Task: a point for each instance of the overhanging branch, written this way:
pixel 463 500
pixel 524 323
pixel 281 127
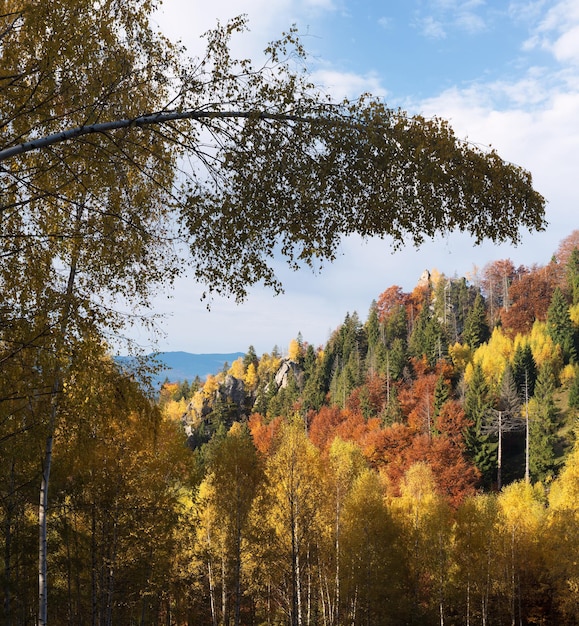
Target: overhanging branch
pixel 144 120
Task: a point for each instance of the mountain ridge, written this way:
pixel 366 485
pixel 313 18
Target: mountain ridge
pixel 177 366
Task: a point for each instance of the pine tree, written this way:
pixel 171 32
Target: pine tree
pixel 428 338
pixel 544 416
pixel 524 370
pixel 441 394
pixel 573 275
pixel 481 446
pixel 476 329
pixel 560 327
pixel 574 392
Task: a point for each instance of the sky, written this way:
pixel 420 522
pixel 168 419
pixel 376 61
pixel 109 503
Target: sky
pixel 503 73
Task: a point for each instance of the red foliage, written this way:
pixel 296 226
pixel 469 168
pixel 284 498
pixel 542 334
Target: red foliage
pixel 455 477
pixel 264 435
pixel 558 267
pixel 452 422
pixel 530 296
pixel 497 277
pixel 373 393
pixel 353 428
pixel 323 426
pixel 389 301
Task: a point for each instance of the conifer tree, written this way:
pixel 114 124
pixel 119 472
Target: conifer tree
pixel 481 445
pixel 573 275
pixel 574 392
pixel 476 328
pixel 560 327
pixel 544 417
pixel 524 370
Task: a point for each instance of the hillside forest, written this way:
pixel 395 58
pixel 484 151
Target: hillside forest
pixel 419 468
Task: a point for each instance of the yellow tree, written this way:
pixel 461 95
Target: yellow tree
pixel 286 517
pixel 345 462
pixel 226 498
pixel 427 528
pixel 493 357
pixel 520 521
pixel 373 570
pixel 237 369
pixel 561 546
pixel 475 546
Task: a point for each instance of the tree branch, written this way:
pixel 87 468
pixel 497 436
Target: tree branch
pixel 141 121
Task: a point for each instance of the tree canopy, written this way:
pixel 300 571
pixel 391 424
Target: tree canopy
pixel 273 165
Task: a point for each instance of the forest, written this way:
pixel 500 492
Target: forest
pixel 419 468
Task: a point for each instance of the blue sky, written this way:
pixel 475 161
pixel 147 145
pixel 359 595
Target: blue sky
pixel 503 73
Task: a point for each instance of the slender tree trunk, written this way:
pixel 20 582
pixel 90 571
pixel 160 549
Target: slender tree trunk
pixel 527 474
pixel 212 601
pixel 8 548
pixel 224 611
pixel 42 541
pixel 500 453
pixel 54 406
pixel 337 593
pixel 237 615
pixel 93 577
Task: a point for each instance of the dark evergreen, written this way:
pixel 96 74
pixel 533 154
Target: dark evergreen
pixel 573 276
pixel 524 371
pixel 441 394
pixel 250 357
pixel 476 328
pixel 560 327
pixel 543 427
pixel 481 445
pixel 574 392
pixel 427 338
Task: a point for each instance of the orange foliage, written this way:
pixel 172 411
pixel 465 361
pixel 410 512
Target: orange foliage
pixel 353 428
pixel 530 297
pixel 376 389
pixel 389 301
pixel 452 422
pixel 417 401
pixel 386 449
pixel 455 477
pixel 416 300
pixel 264 435
pixel 323 426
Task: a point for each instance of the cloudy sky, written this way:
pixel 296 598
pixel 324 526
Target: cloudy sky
pixel 503 73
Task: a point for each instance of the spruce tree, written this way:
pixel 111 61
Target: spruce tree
pixel 543 427
pixel 573 275
pixel 574 392
pixel 476 329
pixel 524 370
pixel 560 327
pixel 481 445
pixel 441 394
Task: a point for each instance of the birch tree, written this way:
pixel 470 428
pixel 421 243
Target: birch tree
pixel 99 112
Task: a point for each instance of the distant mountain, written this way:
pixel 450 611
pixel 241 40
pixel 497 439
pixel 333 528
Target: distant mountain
pixel 180 366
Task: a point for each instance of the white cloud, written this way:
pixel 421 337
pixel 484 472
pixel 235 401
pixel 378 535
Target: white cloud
pixel 558 32
pixel 384 22
pixel 566 47
pixel 470 22
pixel 432 28
pixel 187 20
pixel 544 140
pixel 349 85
